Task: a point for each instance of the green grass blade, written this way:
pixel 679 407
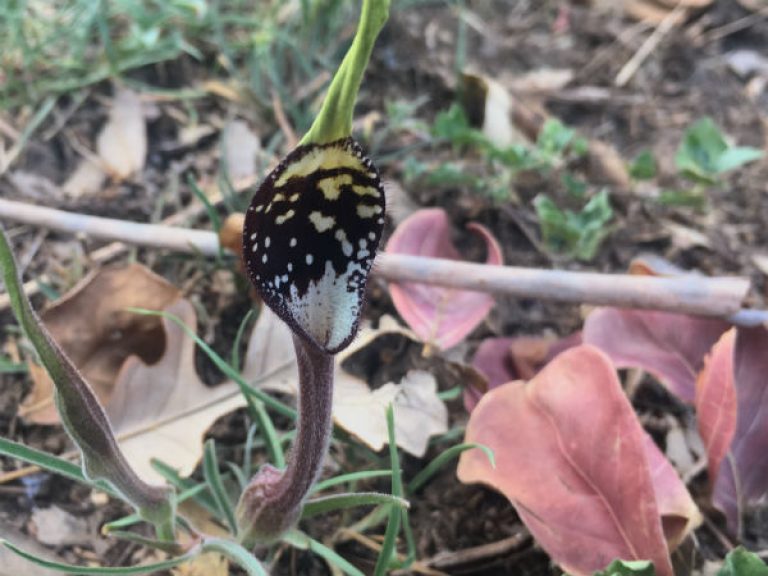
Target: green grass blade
pixel 351 477
pixel 242 480
pixel 236 554
pixel 210 209
pixel 71 569
pixel 9 367
pixel 327 504
pixel 50 462
pixel 234 358
pixel 204 498
pixel 215 482
pixel 267 427
pixel 441 460
pixel 393 527
pixel 301 541
pixel 248 451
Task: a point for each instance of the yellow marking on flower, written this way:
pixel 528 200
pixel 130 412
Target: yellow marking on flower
pixel 365 191
pixel 323 159
pixel 322 223
pixel 287 216
pixel 331 187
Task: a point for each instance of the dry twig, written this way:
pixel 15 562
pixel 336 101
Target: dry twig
pixel 714 297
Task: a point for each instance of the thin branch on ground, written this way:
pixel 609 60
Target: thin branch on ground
pixel 715 297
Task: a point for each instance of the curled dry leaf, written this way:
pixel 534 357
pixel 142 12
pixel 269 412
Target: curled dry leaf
pixel 490 107
pixel 94 329
pixel 240 148
pixel 679 514
pixel 439 316
pixel 572 458
pixel 716 402
pixel 502 360
pixel 743 474
pixel 162 410
pixel 670 346
pixel 122 143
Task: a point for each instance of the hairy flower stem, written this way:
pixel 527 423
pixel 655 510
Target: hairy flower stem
pixel 272 502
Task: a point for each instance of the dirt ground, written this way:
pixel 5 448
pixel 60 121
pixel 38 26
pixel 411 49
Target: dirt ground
pixel 465 529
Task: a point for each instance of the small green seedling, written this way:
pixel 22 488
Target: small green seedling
pixel 576 235
pixel 705 155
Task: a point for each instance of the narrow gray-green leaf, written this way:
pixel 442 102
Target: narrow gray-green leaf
pixel 327 504
pixel 301 541
pixel 72 569
pixel 81 413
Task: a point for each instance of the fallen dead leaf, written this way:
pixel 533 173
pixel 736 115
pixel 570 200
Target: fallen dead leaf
pixel 650 12
pixel 761 262
pixel 590 490
pixel 87 179
pixel 419 412
pixel 122 143
pixel 491 107
pixel 163 410
pixel 440 316
pixel 54 526
pixel 606 166
pixel 684 237
pixel 240 147
pixel 543 80
pixel 94 329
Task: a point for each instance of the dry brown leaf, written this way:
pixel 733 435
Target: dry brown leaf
pixel 543 81
pixel 491 107
pixel 122 143
pixel 270 354
pixel 163 410
pixel 651 12
pixel 606 166
pixel 761 262
pixel 87 179
pixel 240 147
pixel 419 412
pixel 54 526
pixel 95 330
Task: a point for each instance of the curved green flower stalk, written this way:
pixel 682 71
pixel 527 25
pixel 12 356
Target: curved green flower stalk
pixel 83 416
pixel 309 240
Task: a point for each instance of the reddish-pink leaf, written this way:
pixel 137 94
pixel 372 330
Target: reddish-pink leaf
pixel 748 482
pixel 440 316
pixel 716 402
pixel 679 514
pixel 502 360
pixel 571 457
pixel 669 346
